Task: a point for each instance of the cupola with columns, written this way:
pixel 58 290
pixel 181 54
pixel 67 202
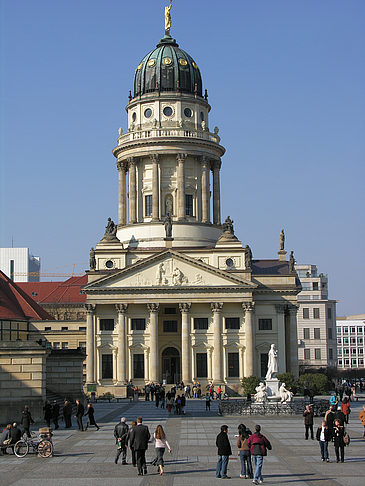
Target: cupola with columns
pixel 169 161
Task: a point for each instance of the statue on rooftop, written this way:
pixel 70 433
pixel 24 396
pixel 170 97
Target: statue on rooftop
pixel 248 257
pixel 282 240
pixel 291 262
pixel 92 259
pixel 227 226
pixel 168 19
pixel 168 225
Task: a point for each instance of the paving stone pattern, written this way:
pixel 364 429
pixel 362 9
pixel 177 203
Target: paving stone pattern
pixel 87 458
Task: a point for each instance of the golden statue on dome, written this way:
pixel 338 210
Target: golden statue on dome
pixel 168 19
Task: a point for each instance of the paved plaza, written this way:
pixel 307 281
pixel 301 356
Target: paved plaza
pixel 87 458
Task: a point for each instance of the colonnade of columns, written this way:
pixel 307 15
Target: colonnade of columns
pixel 130 165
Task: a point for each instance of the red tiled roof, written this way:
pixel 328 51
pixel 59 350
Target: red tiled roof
pixel 15 304
pixel 67 292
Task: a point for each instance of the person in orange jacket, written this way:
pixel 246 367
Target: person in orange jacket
pixel 362 418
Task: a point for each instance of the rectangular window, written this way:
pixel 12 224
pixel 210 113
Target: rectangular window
pixel 359 330
pixel 233 365
pixel 64 345
pixel 317 333
pixel 339 330
pixel 305 312
pixel 200 323
pixel 47 328
pixel 189 209
pixel 201 365
pixel 232 323
pixel 315 285
pixel 307 354
pixel 329 331
pixel 345 340
pixel 361 362
pixel 82 344
pixel 56 345
pixel 138 365
pixel 264 359
pixel 317 353
pixel 353 330
pixel 64 328
pixel 107 366
pixel 354 362
pixel 361 350
pixel 106 324
pixel 346 351
pixel 347 362
pixel 352 340
pixel 339 352
pixel 170 310
pixel 169 326
pixel 138 324
pixel 345 330
pixel 265 324
pixel 330 353
pixel 148 205
pixel 306 333
pixel 340 362
pixel 329 312
pixel 316 313
pixel 81 328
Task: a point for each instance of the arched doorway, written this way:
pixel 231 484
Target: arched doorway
pixel 171 365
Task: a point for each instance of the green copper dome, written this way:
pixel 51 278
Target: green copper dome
pixel 167 68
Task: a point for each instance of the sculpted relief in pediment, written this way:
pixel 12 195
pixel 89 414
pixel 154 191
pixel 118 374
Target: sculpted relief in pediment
pixel 168 273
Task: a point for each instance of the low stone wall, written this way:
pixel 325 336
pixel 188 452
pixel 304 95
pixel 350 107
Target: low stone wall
pixel 22 379
pixel 296 407
pixel 64 373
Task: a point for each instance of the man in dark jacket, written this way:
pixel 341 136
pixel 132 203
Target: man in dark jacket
pixel 258 445
pixel 55 413
pixel 26 420
pixel 339 415
pixel 67 412
pixel 121 439
pixel 15 433
pixel 139 438
pixel 224 451
pixel 330 419
pixel 79 414
pixel 308 421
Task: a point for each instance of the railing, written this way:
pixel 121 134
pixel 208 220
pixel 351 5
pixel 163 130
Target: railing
pixel 296 407
pixel 167 132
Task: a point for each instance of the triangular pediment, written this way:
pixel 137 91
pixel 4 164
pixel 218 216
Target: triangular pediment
pixel 169 269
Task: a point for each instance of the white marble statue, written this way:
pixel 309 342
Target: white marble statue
pixel 285 395
pixel 261 393
pixel 272 366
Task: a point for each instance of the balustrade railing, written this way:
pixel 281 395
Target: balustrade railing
pixel 167 132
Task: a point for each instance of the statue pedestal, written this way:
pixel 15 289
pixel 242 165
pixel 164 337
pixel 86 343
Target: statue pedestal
pixel 272 387
pixel 168 242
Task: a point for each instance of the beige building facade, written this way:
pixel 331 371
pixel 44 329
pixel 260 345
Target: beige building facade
pixel 172 294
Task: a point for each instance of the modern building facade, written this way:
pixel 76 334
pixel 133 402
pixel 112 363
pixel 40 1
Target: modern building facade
pixel 350 342
pixel 20 265
pixel 316 320
pixel 172 293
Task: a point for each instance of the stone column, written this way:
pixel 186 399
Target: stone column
pixel 146 364
pixel 210 359
pixel 153 326
pixel 180 186
pixel 280 310
pixel 122 365
pixel 293 334
pixel 249 307
pixel 122 193
pixel 185 342
pixel 115 364
pixel 155 188
pixel 216 192
pixel 205 165
pixel 90 343
pixel 217 342
pixel 132 190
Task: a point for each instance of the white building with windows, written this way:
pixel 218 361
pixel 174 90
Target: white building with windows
pixel 316 320
pixel 350 342
pixel 20 265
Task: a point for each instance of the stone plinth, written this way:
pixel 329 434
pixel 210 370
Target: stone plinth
pixel 272 387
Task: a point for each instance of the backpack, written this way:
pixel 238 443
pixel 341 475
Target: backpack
pixel 346 439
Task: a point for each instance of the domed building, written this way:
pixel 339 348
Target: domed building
pixel 172 294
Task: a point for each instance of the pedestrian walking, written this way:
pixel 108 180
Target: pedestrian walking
pixel 169 402
pixel 178 405
pixel 121 434
pixel 133 452
pixel 323 436
pixel 139 438
pixel 91 419
pixel 5 439
pixel 162 397
pixel 183 403
pixel 207 402
pixel 308 421
pixel 224 451
pixel 338 440
pixel 339 415
pixel 333 400
pixel 362 418
pixel 47 409
pixel 67 413
pixel 79 414
pixel 26 420
pixel 330 419
pixel 55 414
pixel 346 410
pixel 258 445
pixel 219 392
pixel 244 452
pixel 160 446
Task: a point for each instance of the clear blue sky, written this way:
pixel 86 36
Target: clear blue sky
pixel 286 83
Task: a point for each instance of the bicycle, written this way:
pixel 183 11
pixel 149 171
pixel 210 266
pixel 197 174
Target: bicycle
pixel 43 447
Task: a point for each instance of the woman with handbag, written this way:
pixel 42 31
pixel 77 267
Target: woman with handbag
pixel 160 445
pixel 244 452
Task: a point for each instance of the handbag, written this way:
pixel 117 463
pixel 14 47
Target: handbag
pixel 346 439
pixel 7 441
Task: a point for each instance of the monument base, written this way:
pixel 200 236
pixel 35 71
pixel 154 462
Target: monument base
pixel 272 386
pixel 168 242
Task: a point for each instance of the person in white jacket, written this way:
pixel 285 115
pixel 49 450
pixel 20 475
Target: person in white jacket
pixel 160 445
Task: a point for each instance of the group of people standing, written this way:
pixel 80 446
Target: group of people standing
pixel 250 446
pixel 137 437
